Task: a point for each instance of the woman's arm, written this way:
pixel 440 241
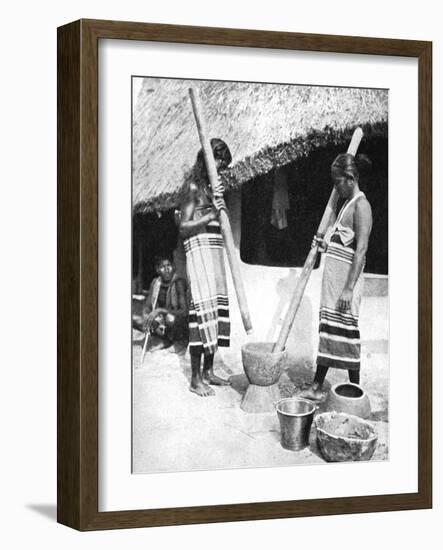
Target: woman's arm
pixel 362 229
pixel 189 227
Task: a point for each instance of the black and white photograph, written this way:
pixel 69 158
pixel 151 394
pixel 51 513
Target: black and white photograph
pixel 260 321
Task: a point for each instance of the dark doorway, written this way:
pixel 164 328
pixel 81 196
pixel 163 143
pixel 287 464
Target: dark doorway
pixel 267 242
pixel 152 235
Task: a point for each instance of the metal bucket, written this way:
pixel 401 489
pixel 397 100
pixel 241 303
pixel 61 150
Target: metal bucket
pixel 295 415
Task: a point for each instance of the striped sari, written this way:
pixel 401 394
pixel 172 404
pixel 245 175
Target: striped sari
pixel 209 325
pixel 339 344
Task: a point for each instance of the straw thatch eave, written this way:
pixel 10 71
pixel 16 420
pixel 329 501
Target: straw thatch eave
pixel 265 126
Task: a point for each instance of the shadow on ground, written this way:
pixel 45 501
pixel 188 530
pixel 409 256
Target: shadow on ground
pixel 239 383
pixel 48 511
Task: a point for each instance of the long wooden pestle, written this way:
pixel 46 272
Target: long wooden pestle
pixel 225 224
pixel 312 256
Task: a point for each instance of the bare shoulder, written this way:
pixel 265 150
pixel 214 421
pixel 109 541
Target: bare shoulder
pixel 193 191
pixel 190 195
pixel 363 207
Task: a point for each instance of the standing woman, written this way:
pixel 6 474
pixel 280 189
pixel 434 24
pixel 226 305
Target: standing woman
pixel 209 325
pixel 342 286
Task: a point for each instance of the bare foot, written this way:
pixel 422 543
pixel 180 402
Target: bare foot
pixel 312 393
pixel 201 389
pixel 210 378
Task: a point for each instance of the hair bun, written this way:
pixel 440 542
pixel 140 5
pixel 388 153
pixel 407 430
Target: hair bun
pixel 364 163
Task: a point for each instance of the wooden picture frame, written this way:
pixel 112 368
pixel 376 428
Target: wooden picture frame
pixel 77 456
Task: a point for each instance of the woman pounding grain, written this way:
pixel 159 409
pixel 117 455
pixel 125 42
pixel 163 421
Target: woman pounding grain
pixel 209 325
pixel 342 284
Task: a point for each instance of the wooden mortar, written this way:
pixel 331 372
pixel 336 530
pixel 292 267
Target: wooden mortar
pixel 263 368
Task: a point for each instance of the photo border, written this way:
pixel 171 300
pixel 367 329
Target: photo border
pixel 77 277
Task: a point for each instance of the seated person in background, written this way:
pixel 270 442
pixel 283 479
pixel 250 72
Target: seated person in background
pixel 167 296
pixel 167 291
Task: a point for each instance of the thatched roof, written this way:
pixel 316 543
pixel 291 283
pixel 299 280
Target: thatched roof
pixel 265 126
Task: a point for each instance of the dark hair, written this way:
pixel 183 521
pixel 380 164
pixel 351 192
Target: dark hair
pixel 221 152
pixel 160 258
pixel 348 166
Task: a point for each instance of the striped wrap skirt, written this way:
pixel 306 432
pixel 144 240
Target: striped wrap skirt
pixel 209 324
pixel 339 344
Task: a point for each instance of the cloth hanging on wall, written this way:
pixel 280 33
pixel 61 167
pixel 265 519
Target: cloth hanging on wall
pixel 280 201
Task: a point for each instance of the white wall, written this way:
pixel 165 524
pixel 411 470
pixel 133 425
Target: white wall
pixel 28 231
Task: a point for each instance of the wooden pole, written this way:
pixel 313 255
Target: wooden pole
pixel 145 346
pixel 312 256
pixel 225 224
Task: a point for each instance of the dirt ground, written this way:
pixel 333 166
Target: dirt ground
pixel 175 430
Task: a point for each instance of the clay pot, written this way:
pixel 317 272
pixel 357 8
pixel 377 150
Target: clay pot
pixel 349 398
pixel 344 437
pixel 262 367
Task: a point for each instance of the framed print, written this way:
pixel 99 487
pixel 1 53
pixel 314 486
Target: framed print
pixel 240 334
